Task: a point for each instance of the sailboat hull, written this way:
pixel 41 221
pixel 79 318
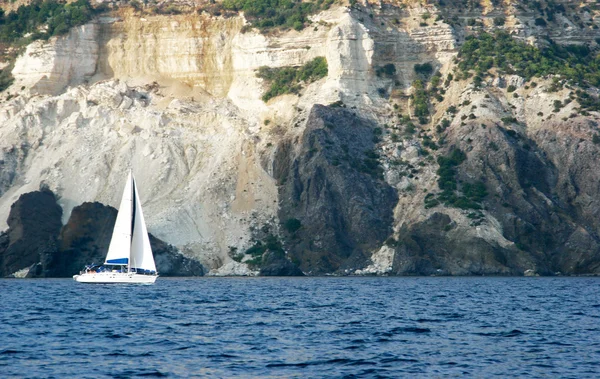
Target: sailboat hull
pixel 115 277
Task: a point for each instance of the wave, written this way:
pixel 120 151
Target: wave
pixel 512 333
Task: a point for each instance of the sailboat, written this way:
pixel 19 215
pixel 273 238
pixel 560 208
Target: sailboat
pixel 129 258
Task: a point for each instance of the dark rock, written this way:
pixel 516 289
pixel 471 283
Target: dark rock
pixel 4 241
pixel 436 247
pixel 276 264
pixel 543 190
pixel 85 238
pixel 33 225
pixel 170 262
pixel 330 181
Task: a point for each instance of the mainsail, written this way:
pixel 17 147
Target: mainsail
pixel 120 243
pixel 130 244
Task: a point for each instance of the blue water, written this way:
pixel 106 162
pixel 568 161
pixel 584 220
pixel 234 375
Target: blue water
pixel 302 328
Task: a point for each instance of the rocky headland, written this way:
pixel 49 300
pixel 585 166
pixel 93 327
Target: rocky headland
pixel 409 154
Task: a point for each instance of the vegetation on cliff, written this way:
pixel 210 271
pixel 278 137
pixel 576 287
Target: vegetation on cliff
pixel 467 196
pixel 284 80
pixel 286 14
pixel 43 19
pixel 38 20
pixel 270 243
pixel 578 64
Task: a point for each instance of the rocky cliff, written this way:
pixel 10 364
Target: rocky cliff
pixel 332 183
pixel 342 176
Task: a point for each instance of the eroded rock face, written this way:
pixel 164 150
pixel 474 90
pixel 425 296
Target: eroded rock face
pixel 85 238
pixel 538 177
pixel 34 223
pixel 437 246
pixel 48 68
pixel 331 182
pixel 170 261
pixel 539 181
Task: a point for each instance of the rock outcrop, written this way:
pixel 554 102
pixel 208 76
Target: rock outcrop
pixel 51 68
pixel 274 264
pixel 330 180
pixel 33 227
pixel 85 237
pixel 541 210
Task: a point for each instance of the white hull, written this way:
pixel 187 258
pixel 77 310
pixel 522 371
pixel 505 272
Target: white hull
pixel 115 277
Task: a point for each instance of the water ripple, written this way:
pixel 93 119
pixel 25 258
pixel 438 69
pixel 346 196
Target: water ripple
pixel 302 327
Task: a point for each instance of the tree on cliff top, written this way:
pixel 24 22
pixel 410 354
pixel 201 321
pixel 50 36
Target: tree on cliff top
pixel 43 19
pixel 286 14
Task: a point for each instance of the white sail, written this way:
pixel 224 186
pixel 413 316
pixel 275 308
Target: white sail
pixel 141 252
pixel 129 246
pixel 120 243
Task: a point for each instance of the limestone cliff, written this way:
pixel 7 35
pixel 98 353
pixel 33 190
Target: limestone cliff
pixel 176 97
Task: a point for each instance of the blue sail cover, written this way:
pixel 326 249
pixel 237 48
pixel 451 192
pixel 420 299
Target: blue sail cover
pixel 120 261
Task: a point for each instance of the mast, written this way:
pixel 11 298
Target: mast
pixel 133 214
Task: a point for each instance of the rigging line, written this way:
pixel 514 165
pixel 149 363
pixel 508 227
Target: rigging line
pixel 133 215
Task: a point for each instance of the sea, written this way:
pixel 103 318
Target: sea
pixel 313 327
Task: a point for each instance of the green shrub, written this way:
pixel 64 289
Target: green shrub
pixel 474 191
pixel 292 225
pixel 467 197
pixel 420 100
pixel 499 21
pixel 270 243
pixel 369 164
pixel 288 79
pixel 285 14
pixel 273 244
pixel 391 242
pixel 257 249
pixel 424 69
pixel 388 70
pixel 509 120
pixel 255 261
pixel 511 88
